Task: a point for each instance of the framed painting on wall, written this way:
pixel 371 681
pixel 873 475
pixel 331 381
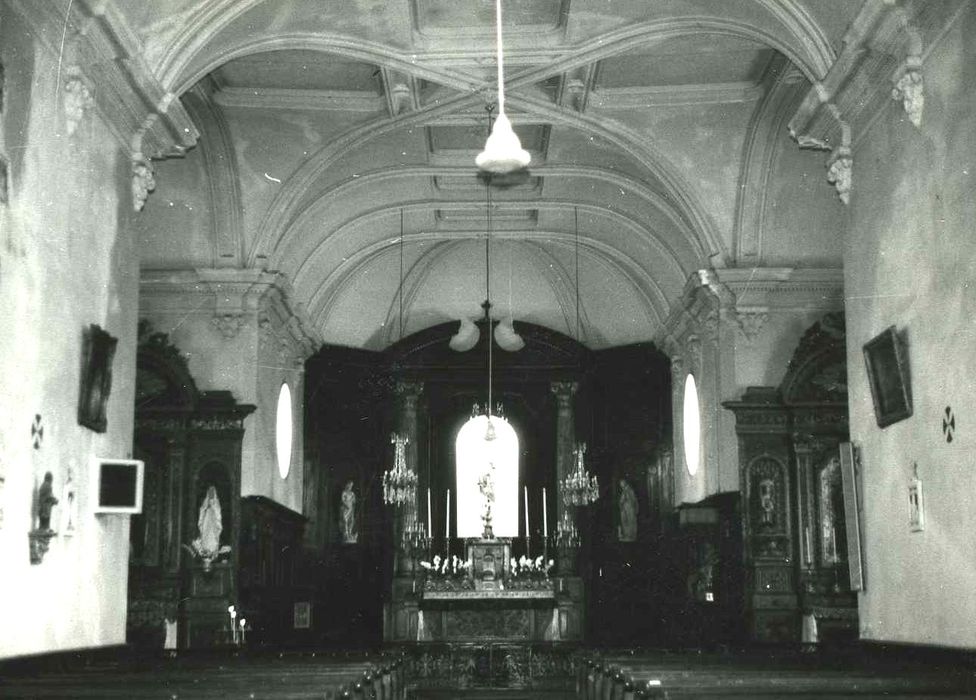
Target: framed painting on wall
pixel 848 475
pixel 888 377
pixel 97 351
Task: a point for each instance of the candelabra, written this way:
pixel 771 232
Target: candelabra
pixel 400 482
pixel 566 534
pixel 414 536
pixel 580 488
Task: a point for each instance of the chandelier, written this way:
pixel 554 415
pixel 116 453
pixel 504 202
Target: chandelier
pixel 580 488
pixel 503 152
pixel 400 482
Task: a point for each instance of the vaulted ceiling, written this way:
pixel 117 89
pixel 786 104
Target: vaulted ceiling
pixel 327 128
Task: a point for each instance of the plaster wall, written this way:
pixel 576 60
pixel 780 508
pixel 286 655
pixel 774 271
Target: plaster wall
pixel 67 260
pixel 804 220
pixel 250 365
pixel 175 227
pixel 910 255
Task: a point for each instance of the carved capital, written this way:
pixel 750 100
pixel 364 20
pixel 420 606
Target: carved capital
pixel 410 391
pixel 564 391
pixel 693 343
pixel 751 323
pixel 909 89
pixel 143 182
pixel 840 167
pixel 228 325
pixel 78 100
pixel 677 368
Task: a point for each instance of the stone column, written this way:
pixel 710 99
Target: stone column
pixel 565 439
pixel 565 461
pixel 408 396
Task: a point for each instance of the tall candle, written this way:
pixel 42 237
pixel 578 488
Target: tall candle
pixel 447 527
pixel 430 531
pixel 545 515
pixel 525 493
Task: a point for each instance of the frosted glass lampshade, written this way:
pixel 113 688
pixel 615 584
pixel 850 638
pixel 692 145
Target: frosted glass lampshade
pixel 507 337
pixel 503 152
pixel 466 337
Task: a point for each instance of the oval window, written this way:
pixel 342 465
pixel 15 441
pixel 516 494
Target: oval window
pixel 692 425
pixel 283 430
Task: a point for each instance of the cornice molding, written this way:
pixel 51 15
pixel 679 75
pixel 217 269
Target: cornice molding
pixel 882 57
pixel 233 297
pixel 713 299
pixel 146 120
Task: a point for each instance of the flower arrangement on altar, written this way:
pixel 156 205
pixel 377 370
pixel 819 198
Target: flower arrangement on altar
pixel 529 573
pixel 447 574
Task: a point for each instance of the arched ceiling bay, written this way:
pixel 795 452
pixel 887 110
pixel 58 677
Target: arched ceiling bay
pixel 344 119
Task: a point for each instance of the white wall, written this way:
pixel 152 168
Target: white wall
pixel 67 260
pixel 910 255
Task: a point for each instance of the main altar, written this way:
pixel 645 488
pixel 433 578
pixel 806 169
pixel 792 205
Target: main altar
pixel 486 597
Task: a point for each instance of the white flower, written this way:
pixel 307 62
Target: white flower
pixel 538 562
pixel 551 563
pixel 437 560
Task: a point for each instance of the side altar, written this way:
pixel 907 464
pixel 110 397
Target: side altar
pixel 486 597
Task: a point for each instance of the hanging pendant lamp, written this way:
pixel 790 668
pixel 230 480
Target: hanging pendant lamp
pixel 503 151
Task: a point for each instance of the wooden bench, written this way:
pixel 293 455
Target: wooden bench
pixel 630 677
pixel 284 678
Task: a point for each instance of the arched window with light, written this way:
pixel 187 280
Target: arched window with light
pixel 495 459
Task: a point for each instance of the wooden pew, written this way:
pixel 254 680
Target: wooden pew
pixel 634 676
pixel 284 678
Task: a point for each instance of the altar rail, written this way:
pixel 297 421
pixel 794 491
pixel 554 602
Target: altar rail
pixel 630 676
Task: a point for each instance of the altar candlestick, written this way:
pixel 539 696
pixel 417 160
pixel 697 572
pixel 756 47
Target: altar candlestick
pixel 430 530
pixel 447 525
pixel 525 492
pixel 545 515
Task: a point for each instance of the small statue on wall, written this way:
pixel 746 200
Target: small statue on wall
pixel 627 505
pixel 347 516
pixel 45 502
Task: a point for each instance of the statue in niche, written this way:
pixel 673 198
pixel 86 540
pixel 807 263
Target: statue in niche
pixel 627 506
pixel 45 502
pixel 347 516
pixel 767 502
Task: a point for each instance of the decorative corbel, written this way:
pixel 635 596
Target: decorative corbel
pixel 840 172
pixel 751 322
pixel 909 88
pixel 143 181
pixel 229 325
pixel 78 99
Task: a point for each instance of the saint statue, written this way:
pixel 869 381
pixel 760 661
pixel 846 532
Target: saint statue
pixel 347 516
pixel 767 502
pixel 210 524
pixel 45 502
pixel 627 504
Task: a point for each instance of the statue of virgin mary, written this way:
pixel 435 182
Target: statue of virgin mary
pixel 210 524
